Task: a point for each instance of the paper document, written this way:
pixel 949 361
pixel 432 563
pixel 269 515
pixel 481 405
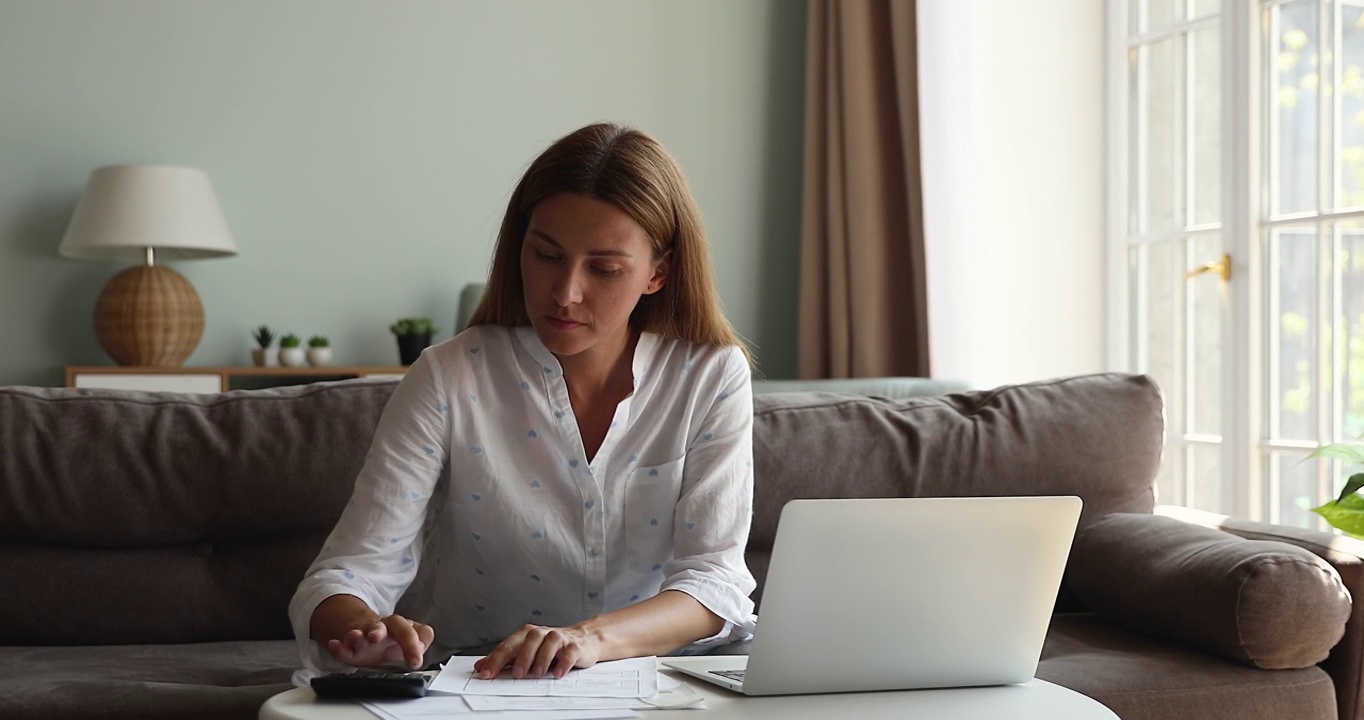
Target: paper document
pixel 432 707
pixel 632 678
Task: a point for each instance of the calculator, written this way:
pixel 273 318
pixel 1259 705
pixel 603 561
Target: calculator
pixel 371 684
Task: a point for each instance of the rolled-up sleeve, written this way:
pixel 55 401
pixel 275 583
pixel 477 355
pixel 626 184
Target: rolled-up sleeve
pixel 714 508
pixel 375 548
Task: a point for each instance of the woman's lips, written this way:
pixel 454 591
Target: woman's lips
pixel 558 324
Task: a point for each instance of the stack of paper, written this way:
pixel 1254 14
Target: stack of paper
pixel 603 692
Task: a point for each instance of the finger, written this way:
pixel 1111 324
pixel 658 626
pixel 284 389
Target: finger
pixel 376 632
pixel 405 635
pixel 530 646
pixel 355 640
pixel 550 647
pixel 426 634
pixel 568 658
pixel 497 659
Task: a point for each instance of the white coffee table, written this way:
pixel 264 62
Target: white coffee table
pixel 1035 700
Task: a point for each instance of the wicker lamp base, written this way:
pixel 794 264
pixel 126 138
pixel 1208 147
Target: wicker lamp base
pixel 149 315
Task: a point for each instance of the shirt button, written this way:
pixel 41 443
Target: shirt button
pixel 594 552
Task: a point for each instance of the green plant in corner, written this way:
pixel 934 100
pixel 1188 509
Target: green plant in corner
pixel 264 336
pixel 318 341
pixel 1346 512
pixel 417 326
pixel 290 341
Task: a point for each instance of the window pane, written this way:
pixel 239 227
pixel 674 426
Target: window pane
pixel 1205 105
pixel 1158 165
pixel 1293 97
pixel 1295 479
pixel 1170 477
pixel 1293 332
pixel 1205 485
pixel 1149 15
pixel 1205 339
pixel 1350 328
pixel 1351 119
pixel 1162 326
pixel 1205 7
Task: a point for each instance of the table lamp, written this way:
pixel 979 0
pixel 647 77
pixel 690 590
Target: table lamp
pixel 148 314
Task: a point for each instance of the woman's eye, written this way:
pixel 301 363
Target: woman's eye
pixel 546 256
pixel 606 272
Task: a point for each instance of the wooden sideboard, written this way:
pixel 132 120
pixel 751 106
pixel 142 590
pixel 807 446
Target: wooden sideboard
pixel 217 379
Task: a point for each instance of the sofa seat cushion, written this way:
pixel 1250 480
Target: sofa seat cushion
pixel 202 680
pixel 1147 678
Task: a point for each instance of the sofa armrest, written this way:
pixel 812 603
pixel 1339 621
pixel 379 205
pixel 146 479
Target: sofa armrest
pixel 1346 555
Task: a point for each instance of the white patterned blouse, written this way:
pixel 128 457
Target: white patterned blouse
pixel 479 446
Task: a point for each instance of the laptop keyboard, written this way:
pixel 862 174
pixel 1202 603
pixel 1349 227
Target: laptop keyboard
pixel 737 675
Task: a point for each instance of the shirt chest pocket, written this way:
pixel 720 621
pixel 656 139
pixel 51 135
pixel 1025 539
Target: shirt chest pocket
pixel 651 494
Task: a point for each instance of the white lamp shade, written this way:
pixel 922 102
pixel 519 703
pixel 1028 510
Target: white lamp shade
pixel 126 209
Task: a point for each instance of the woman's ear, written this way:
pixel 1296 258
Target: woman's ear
pixel 662 269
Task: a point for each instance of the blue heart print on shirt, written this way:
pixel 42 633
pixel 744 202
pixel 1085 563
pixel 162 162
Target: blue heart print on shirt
pixel 536 613
pixel 415 496
pixel 708 436
pixel 653 473
pixel 538 535
pixel 535 577
pixel 634 458
pixel 691 525
pixel 653 521
pixel 473 350
pixel 589 504
pixel 476 497
pixel 391 541
pixel 532 434
pixel 558 413
pixel 350 575
pixel 428 450
pixel 477 537
pixel 573 462
pixel 592 595
pixel 479 608
pixel 477 571
pixel 525 385
pixel 657 567
pixel 535 484
pixel 477 449
pixel 407 560
pixel 441 407
pixel 722 396
pixel 634 598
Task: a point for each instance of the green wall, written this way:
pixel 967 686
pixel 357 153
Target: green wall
pixel 363 150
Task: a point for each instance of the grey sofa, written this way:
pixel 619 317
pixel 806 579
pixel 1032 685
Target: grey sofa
pixel 149 543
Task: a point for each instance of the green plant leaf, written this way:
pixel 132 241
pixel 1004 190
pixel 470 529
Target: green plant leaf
pixel 1352 485
pixel 1346 514
pixel 1349 452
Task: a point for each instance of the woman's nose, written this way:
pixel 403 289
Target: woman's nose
pixel 567 288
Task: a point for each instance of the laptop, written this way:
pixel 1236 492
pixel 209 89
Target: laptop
pixel 902 593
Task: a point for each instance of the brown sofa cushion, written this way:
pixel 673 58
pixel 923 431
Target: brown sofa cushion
pixel 1264 603
pixel 1095 436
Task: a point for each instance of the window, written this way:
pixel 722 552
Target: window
pixel 1239 133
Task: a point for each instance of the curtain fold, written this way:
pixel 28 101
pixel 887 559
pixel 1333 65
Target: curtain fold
pixel 863 301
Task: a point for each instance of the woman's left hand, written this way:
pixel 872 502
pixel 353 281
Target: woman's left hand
pixel 535 650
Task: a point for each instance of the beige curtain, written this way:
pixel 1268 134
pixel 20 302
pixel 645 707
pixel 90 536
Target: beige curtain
pixel 863 306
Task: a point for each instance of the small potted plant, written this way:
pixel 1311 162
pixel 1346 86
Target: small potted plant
pixel 264 355
pixel 319 351
pixel 290 352
pixel 414 334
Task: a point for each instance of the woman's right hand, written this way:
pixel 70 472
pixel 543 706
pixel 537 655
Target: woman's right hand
pixel 357 636
pixel 384 641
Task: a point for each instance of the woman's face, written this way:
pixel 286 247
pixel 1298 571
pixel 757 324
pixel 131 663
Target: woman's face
pixel 584 265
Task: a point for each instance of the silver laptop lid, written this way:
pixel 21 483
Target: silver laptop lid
pixel 897 593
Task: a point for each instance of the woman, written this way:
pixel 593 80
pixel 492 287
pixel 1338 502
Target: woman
pixel 581 455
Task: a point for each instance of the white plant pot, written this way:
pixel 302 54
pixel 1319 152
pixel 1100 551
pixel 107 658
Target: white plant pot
pixel 317 357
pixel 265 357
pixel 292 357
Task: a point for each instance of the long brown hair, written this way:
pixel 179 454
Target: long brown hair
pixel 632 171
